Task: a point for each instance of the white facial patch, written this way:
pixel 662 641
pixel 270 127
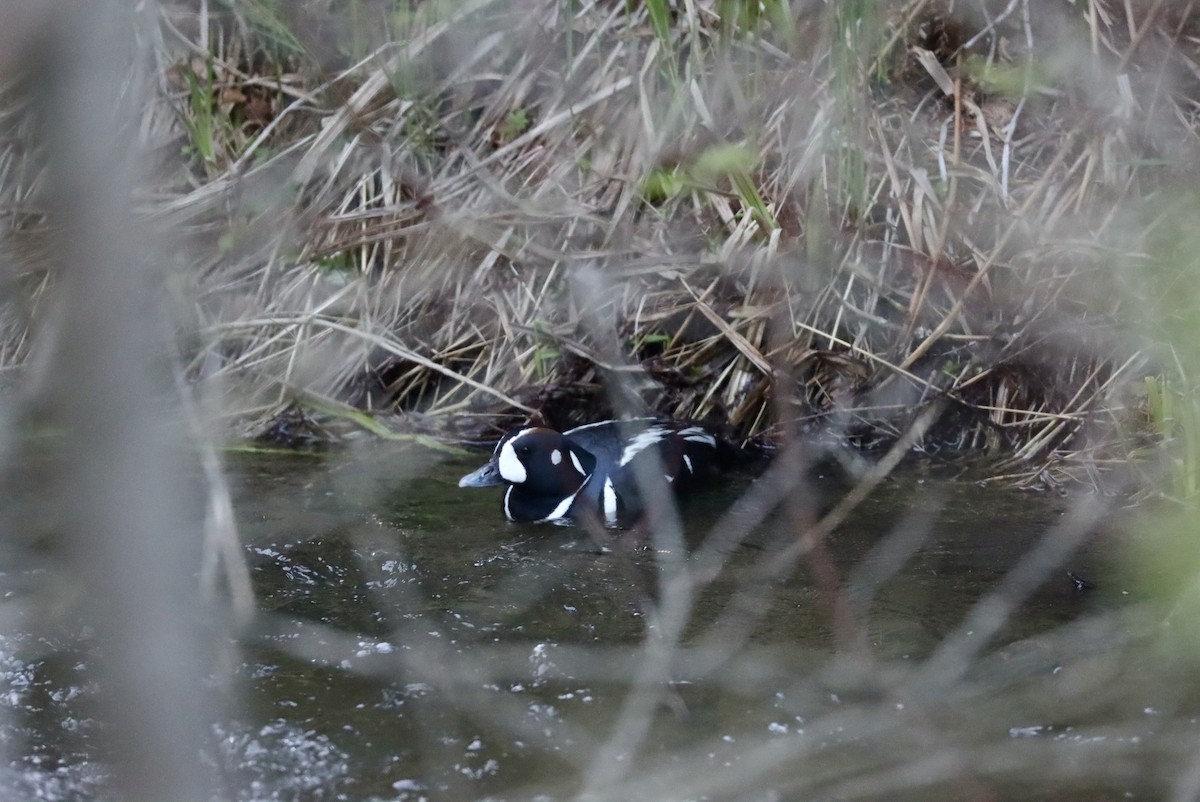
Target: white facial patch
pixel 556 456
pixel 509 464
pixel 640 442
pixel 578 465
pixel 610 502
pixel 688 462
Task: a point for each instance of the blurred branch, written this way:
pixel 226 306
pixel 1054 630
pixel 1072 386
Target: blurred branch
pixel 129 540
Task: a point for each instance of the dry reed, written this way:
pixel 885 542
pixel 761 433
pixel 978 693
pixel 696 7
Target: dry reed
pixel 924 203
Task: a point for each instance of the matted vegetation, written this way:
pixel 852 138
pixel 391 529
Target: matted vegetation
pixel 947 227
pixel 760 214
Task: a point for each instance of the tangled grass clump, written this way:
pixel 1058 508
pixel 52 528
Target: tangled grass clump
pixel 827 217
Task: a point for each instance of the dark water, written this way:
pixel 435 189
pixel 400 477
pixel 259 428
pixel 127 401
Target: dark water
pixel 414 645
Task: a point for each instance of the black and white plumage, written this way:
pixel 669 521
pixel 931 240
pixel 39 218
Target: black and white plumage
pixel 593 469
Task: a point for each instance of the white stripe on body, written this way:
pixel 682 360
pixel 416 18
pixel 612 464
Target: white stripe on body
pixel 641 441
pixel 610 501
pixel 559 512
pixel 587 426
pixel 698 435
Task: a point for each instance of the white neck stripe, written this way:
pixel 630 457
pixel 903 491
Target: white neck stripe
pixel 561 510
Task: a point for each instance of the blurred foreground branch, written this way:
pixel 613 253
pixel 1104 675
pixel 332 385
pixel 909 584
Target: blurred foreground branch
pixel 130 540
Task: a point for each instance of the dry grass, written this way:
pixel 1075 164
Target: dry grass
pixel 457 211
pixel 956 228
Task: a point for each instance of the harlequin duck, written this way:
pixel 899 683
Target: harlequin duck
pixel 592 469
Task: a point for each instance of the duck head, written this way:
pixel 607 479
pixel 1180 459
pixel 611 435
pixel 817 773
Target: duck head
pixel 543 469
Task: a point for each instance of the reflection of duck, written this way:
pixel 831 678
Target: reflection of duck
pixel 553 476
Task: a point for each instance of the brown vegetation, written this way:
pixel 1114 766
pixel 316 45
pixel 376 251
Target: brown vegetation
pixel 828 217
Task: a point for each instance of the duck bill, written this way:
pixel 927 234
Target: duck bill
pixel 486 476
